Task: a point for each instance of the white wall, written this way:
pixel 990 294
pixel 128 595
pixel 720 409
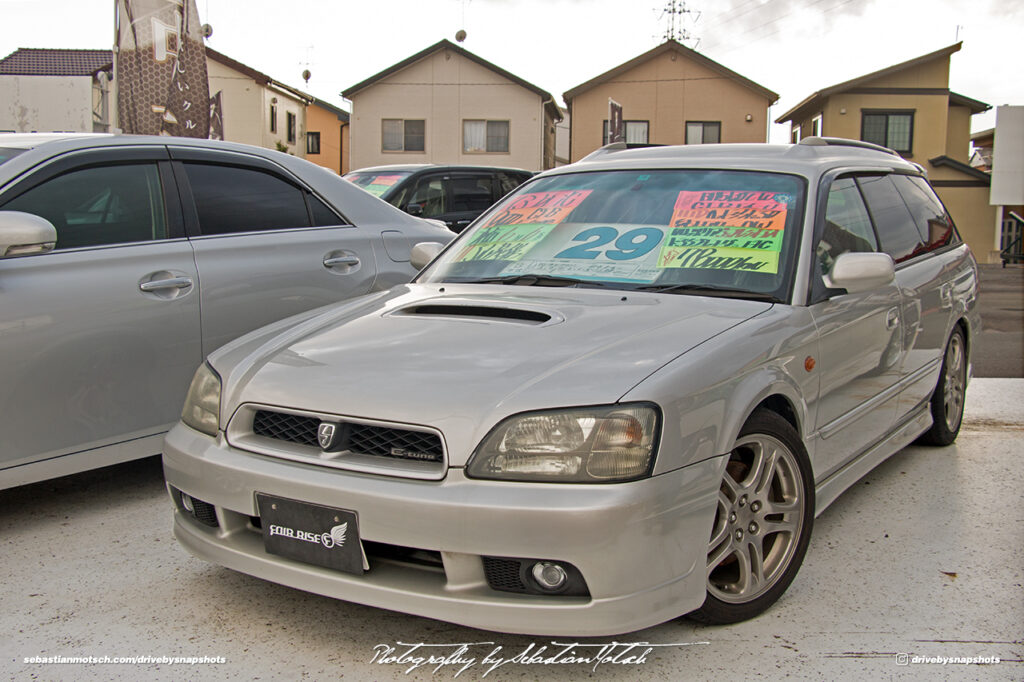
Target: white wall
pixel 1008 157
pixel 46 104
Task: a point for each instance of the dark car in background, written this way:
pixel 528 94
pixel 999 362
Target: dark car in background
pixel 455 195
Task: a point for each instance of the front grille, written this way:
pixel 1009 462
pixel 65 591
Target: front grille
pixel 362 439
pixel 402 443
pixel 503 574
pixel 288 427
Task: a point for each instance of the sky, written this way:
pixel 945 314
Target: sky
pixel 793 47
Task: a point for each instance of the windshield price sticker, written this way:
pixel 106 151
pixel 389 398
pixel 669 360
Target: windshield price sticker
pixel 504 242
pixel 520 225
pixel 386 180
pixel 726 230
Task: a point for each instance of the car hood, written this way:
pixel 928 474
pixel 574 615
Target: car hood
pixel 460 358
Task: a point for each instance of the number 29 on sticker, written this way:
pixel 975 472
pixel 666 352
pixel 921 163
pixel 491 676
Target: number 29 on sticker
pixel 633 244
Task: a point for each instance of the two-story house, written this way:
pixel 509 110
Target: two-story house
pixel 909 108
pixel 669 95
pixel 446 105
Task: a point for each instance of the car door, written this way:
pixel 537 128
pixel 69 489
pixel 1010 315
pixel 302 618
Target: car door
pixel 915 233
pixel 100 337
pixel 266 247
pixel 859 338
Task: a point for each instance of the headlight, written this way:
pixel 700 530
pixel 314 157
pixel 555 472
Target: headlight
pixel 583 445
pixel 202 404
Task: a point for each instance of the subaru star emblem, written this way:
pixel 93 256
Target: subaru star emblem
pixel 325 434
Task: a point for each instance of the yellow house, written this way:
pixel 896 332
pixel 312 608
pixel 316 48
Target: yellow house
pixel 446 105
pixel 327 136
pixel 669 95
pixel 909 108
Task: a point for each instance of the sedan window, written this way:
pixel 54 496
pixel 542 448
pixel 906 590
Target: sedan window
pixel 99 205
pixel 231 199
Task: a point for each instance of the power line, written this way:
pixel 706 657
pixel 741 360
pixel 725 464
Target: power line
pixel 775 21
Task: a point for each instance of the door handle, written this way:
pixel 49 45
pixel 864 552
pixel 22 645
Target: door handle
pixel 892 318
pixel 341 260
pixel 161 284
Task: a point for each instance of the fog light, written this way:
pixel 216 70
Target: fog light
pixel 549 576
pixel 186 502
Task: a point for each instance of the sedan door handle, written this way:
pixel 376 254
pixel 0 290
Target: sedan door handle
pixel 341 260
pixel 892 318
pixel 161 284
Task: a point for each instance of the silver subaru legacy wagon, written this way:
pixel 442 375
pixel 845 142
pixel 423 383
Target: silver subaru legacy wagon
pixel 621 396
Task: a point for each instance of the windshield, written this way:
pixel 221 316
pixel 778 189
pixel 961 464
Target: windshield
pixel 9 153
pixel 679 231
pixel 377 183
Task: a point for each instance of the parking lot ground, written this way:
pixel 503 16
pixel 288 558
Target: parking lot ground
pixel 999 349
pixel 921 558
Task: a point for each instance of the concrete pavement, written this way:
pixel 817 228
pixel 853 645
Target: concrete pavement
pixel 922 557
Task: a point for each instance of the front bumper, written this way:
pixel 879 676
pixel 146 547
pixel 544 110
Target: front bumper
pixel 640 546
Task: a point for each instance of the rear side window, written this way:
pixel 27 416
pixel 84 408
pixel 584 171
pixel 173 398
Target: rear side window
pixel 471 192
pixel 847 224
pixel 323 216
pixel 896 229
pixel 230 199
pixel 930 217
pixel 99 205
pixel 509 181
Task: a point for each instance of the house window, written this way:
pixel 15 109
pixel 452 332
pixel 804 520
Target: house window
pixel 703 132
pixel 273 117
pixel 403 135
pixel 312 143
pixel 636 132
pixel 291 127
pixel 485 136
pixel 892 129
pixel 794 135
pixel 816 125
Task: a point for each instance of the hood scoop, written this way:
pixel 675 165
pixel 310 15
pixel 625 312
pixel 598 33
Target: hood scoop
pixel 480 312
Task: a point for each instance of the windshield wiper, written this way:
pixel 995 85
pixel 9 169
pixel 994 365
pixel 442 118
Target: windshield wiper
pixel 706 290
pixel 530 280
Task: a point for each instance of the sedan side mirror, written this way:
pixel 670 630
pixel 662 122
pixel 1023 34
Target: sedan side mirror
pixel 858 272
pixel 414 209
pixel 24 234
pixel 423 253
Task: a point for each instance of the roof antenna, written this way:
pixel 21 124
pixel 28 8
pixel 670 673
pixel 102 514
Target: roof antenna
pixel 676 10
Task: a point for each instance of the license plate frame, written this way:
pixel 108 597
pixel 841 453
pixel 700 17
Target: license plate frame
pixel 312 533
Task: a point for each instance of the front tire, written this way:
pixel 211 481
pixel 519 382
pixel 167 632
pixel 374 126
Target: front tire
pixel 947 403
pixel 762 524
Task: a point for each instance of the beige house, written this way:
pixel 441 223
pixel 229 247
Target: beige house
pixel 257 109
pixel 909 108
pixel 446 105
pixel 45 90
pixel 669 95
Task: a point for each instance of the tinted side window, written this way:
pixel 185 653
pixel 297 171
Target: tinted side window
pixel 933 223
pixel 896 229
pixel 847 224
pixel 323 216
pixel 509 181
pixel 471 192
pixel 100 205
pixel 429 193
pixel 230 199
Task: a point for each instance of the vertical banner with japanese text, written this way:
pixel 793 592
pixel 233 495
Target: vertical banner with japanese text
pixel 616 127
pixel 161 69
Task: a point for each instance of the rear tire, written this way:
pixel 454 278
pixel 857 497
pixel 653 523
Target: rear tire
pixel 947 402
pixel 763 522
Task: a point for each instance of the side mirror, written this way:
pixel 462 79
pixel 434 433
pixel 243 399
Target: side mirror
pixel 414 209
pixel 423 253
pixel 24 234
pixel 858 272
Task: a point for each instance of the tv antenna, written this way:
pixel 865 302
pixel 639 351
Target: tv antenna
pixel 675 12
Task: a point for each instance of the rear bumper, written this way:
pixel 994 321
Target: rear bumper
pixel 640 546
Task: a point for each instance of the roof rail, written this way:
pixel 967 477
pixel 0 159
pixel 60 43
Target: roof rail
pixel 618 147
pixel 815 141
